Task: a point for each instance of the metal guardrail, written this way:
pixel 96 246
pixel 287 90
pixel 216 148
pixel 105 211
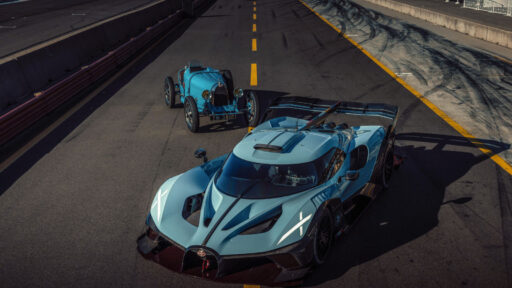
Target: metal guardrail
pixel 26 114
pixel 494 6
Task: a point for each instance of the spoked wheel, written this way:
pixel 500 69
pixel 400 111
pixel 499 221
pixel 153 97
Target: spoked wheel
pixel 253 109
pixel 387 169
pixel 323 238
pixel 191 114
pixel 170 93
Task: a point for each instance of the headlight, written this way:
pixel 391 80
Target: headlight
pixel 238 92
pixel 206 95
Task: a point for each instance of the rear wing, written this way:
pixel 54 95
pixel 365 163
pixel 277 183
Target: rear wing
pixel 326 107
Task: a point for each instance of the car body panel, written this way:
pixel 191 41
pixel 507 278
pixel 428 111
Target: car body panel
pixel 193 83
pixel 223 218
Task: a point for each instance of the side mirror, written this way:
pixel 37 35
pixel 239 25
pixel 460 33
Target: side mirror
pixel 201 153
pixel 351 175
pixel 238 92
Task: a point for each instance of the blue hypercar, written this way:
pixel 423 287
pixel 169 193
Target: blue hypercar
pixel 280 197
pixel 206 91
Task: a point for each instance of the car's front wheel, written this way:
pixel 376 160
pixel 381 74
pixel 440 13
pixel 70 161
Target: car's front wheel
pixel 191 114
pixel 252 115
pixel 323 237
pixel 170 92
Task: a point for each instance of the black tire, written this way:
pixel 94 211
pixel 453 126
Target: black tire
pixel 169 92
pixel 323 239
pixel 226 74
pixel 191 114
pixel 253 102
pixel 387 168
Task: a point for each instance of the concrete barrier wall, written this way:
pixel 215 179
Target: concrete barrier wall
pixel 476 30
pixel 40 69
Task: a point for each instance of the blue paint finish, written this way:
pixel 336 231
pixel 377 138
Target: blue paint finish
pixel 296 210
pixel 194 83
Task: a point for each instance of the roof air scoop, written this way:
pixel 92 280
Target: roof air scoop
pixel 268 148
pixel 282 143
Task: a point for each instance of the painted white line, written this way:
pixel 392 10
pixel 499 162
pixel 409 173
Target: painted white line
pixel 8 27
pixel 78 14
pixel 403 74
pixel 13 2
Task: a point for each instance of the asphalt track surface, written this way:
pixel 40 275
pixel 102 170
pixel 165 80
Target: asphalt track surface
pixel 73 206
pixel 28 23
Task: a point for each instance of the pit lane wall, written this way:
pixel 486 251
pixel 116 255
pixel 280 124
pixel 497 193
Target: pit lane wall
pixel 476 30
pixel 36 83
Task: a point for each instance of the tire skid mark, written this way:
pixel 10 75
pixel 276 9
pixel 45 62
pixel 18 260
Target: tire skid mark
pixel 458 78
pixel 285 41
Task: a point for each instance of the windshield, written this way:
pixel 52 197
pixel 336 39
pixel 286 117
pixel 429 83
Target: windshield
pixel 255 181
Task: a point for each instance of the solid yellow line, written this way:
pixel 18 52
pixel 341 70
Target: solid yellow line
pixel 254 27
pixel 254 16
pixel 496 158
pixel 254 74
pixel 249 285
pixel 254 46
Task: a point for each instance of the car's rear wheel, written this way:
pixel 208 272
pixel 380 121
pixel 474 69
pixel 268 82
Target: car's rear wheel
pixel 191 114
pixel 387 168
pixel 170 92
pixel 323 237
pixel 252 115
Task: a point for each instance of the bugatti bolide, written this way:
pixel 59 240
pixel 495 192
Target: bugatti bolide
pixel 206 91
pixel 280 198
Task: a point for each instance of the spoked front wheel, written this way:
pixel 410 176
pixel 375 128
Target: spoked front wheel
pixel 253 109
pixel 191 114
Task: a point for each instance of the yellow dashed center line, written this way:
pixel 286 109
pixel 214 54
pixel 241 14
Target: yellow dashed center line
pixel 248 285
pixel 254 3
pixel 254 27
pixel 254 45
pixel 496 158
pixel 254 8
pixel 254 16
pixel 254 74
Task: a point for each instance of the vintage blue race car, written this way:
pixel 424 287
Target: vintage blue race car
pixel 205 91
pixel 279 198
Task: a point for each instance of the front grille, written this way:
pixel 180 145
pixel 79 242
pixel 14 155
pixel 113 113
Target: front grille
pixel 194 264
pixel 220 96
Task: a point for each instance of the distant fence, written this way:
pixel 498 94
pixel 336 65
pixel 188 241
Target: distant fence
pixel 493 6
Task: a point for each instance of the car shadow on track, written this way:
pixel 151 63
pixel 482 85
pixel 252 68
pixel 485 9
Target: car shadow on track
pixel 13 172
pixel 409 209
